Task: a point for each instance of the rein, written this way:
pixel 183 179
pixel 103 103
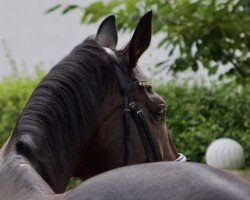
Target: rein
pixel 131 110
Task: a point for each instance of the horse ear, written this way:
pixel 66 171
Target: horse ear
pixel 107 34
pixel 141 39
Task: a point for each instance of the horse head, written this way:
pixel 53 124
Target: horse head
pixel 112 147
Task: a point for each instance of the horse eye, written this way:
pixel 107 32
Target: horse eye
pixel 159 113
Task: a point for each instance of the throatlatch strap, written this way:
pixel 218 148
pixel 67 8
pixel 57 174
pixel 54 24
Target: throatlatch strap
pixel 149 141
pixel 150 137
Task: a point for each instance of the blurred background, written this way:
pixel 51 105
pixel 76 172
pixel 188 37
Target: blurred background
pixel 199 60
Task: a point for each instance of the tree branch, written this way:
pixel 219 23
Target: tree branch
pixel 241 72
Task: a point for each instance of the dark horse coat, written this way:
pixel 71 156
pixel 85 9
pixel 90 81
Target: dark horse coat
pixel 73 126
pixel 163 181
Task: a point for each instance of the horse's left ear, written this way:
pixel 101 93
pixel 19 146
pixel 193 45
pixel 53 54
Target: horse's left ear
pixel 107 34
pixel 141 39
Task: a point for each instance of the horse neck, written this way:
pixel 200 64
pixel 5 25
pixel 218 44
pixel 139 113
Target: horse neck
pixel 19 180
pixel 51 130
pixel 62 109
pixel 55 169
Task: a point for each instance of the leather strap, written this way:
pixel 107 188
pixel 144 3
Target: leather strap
pixel 148 139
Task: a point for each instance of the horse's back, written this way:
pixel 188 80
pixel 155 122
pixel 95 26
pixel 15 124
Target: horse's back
pixel 163 180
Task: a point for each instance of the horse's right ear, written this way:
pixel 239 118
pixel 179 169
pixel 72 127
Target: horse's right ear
pixel 107 34
pixel 140 40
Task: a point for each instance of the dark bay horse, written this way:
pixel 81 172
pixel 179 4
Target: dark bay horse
pixel 85 117
pixel 73 126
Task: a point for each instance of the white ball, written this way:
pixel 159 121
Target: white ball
pixel 225 153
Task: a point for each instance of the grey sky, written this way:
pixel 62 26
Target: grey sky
pixel 35 38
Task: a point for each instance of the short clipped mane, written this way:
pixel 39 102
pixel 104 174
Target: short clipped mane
pixel 62 108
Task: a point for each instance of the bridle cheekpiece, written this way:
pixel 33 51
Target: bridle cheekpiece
pixel 131 110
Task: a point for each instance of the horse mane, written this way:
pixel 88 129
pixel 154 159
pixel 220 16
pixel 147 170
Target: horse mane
pixel 62 108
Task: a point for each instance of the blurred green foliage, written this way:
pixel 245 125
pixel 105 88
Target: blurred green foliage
pixel 195 115
pixel 14 93
pixel 202 33
pixel 73 183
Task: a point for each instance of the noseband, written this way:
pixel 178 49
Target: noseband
pixel 130 109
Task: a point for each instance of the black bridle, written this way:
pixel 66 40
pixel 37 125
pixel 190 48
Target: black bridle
pixel 130 109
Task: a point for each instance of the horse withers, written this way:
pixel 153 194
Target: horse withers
pixel 93 112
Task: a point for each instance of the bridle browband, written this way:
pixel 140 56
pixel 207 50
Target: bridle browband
pixel 130 109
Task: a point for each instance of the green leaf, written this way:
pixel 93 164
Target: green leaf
pixel 195 66
pixel 212 70
pixel 53 8
pixel 171 51
pixel 96 6
pixel 84 18
pixel 69 9
pixel 162 42
pixel 160 63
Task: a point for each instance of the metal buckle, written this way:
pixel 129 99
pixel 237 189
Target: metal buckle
pixel 131 104
pixel 138 112
pixel 126 110
pixel 144 83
